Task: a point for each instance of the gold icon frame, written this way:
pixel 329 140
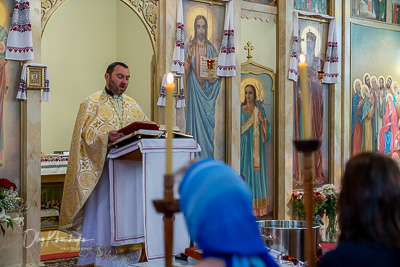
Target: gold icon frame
pixel 35 77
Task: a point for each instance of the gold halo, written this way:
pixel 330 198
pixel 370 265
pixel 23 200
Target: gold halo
pixel 4 15
pixel 388 78
pixel 354 85
pixel 384 80
pixel 303 36
pixel 373 77
pixel 207 12
pixel 256 83
pixel 395 83
pixel 365 75
pixel 364 87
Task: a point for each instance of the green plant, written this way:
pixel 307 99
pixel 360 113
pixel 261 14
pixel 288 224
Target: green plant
pixel 331 194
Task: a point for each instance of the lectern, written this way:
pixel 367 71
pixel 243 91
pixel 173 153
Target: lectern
pixel 136 175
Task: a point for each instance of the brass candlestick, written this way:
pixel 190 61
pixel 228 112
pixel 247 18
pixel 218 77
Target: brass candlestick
pixel 168 206
pixel 307 147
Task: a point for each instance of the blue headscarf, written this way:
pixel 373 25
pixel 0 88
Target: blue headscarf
pixel 217 206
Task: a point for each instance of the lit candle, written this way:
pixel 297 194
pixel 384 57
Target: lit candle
pixel 304 97
pixel 170 88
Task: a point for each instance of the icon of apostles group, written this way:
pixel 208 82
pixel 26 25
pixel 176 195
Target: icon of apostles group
pixel 375 115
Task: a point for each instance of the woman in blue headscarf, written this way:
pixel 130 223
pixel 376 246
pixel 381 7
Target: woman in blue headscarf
pixel 217 206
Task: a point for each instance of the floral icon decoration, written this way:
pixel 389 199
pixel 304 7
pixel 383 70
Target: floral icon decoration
pixel 10 202
pixel 325 201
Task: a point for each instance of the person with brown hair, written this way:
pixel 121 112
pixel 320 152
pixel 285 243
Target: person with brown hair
pixel 85 205
pixel 369 214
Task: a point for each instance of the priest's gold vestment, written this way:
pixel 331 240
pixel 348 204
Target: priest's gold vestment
pixel 98 114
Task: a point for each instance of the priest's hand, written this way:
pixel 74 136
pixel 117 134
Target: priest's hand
pixel 114 136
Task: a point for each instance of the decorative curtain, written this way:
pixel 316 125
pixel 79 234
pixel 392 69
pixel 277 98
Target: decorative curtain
pixel 331 65
pixel 19 43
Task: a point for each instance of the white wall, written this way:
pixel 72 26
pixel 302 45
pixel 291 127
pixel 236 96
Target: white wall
pixel 264 42
pixel 135 49
pixel 77 45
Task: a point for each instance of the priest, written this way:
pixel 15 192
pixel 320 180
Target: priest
pixel 85 206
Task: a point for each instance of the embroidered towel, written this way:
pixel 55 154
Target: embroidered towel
pixel 180 103
pixel 331 65
pixel 226 60
pixel 178 60
pixel 161 98
pixel 22 85
pixel 294 53
pixel 19 43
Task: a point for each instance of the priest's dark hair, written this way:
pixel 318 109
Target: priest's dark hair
pixel 369 202
pixel 111 67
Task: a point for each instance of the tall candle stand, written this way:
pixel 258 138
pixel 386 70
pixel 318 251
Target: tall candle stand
pixel 168 206
pixel 307 147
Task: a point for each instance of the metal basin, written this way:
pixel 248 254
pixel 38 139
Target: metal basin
pixel 287 236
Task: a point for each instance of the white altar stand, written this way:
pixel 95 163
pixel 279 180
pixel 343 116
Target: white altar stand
pixel 137 178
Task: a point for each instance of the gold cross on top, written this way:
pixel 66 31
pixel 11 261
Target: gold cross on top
pixel 249 47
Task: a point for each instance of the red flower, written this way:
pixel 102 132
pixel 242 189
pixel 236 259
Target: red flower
pixel 319 198
pixel 7 184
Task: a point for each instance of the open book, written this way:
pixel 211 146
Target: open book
pixel 139 125
pixel 139 130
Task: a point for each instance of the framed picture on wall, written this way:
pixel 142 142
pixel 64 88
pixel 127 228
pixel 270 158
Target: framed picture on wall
pixel 204 114
pixel 35 77
pixel 318 6
pixel 313 37
pixel 369 9
pixel 374 89
pixel 51 194
pixel 396 11
pixel 263 2
pixel 257 134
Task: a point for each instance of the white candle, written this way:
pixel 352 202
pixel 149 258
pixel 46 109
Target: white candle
pixel 170 88
pixel 304 96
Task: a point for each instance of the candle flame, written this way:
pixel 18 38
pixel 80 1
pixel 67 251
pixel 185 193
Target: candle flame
pixel 170 78
pixel 302 58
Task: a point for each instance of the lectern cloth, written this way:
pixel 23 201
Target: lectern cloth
pixel 96 117
pixel 133 216
pixel 95 246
